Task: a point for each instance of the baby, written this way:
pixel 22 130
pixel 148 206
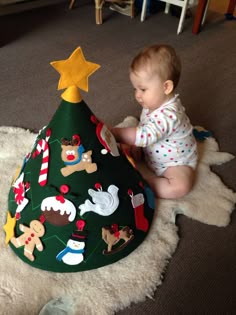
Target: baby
pixel 164 131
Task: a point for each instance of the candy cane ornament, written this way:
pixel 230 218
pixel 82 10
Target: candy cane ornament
pixel 43 146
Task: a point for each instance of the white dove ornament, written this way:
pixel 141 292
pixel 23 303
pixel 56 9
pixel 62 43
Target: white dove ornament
pixel 104 202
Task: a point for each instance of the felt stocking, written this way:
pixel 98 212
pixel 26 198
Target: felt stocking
pixel 138 205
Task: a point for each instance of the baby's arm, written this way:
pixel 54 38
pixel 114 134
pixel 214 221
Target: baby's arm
pixel 125 135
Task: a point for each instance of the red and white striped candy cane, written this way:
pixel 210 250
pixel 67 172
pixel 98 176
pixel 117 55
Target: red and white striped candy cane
pixel 43 146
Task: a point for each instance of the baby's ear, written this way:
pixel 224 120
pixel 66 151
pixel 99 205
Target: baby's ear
pixel 168 87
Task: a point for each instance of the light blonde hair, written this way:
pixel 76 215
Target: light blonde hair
pixel 158 59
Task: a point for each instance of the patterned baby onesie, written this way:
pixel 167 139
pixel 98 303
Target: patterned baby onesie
pixel 166 136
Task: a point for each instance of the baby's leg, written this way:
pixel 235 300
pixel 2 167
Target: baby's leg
pixel 135 152
pixel 175 182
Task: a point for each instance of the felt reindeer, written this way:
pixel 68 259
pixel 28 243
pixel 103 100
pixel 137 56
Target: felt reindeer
pixel 74 157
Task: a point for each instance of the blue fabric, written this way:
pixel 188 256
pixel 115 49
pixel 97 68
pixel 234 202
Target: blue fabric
pixel 68 250
pixel 230 16
pixel 150 197
pixel 80 151
pixel 201 135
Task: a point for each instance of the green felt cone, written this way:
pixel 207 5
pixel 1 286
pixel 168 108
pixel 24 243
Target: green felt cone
pixel 78 202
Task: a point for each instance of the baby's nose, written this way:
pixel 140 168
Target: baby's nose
pixel 138 95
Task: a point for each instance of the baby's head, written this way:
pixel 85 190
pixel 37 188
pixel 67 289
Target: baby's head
pixel 158 60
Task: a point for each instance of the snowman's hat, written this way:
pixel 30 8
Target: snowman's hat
pixel 78 235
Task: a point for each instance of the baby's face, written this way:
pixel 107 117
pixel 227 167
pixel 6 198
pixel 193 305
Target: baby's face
pixel 149 90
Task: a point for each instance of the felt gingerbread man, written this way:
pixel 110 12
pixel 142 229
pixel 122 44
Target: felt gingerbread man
pixel 30 239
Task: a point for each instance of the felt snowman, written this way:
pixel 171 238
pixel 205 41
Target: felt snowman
pixel 73 253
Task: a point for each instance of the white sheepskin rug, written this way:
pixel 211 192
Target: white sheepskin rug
pixel 25 290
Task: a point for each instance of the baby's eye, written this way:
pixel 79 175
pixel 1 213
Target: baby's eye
pixel 143 90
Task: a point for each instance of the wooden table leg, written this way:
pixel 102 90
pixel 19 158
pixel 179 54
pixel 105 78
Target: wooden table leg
pixel 199 15
pixel 71 4
pixel 98 11
pixel 231 7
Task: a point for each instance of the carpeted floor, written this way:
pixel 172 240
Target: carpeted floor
pixel 200 277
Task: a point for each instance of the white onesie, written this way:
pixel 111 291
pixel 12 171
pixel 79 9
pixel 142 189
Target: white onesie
pixel 166 136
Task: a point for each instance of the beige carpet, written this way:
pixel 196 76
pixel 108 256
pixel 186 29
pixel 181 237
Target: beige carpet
pixel 25 290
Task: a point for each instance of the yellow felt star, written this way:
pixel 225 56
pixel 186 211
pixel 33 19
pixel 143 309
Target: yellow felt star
pixel 75 70
pixel 9 227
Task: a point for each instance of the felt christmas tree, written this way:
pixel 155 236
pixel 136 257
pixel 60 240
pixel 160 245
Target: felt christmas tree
pixel 78 202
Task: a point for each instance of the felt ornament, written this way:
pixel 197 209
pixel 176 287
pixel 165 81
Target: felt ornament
pixel 43 147
pixel 9 227
pixel 112 236
pixel 105 202
pixel 106 138
pixel 78 177
pixel 19 189
pixel 57 209
pixel 73 254
pixel 74 157
pixel 138 205
pixel 30 238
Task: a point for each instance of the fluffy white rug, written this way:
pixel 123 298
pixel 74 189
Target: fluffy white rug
pixel 24 290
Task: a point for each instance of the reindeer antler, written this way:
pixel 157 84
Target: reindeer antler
pixel 75 141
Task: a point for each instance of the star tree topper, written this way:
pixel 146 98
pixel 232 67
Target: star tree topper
pixel 74 73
